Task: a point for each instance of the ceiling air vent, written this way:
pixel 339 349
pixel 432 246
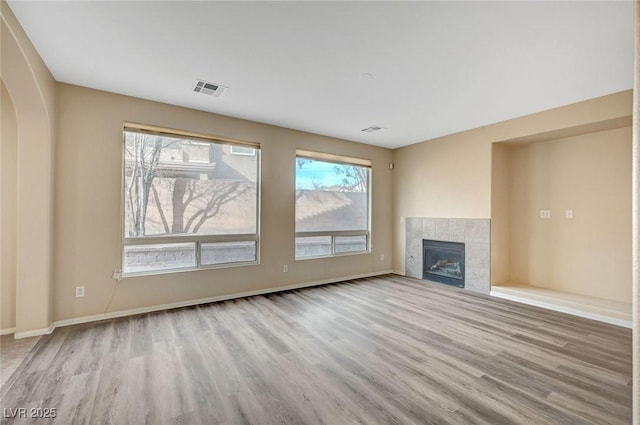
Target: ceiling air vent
pixel 205 87
pixel 372 128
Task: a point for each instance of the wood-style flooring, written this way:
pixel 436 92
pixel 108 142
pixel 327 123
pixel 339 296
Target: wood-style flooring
pixel 12 353
pixel 383 350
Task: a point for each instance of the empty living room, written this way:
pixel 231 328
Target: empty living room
pixel 319 212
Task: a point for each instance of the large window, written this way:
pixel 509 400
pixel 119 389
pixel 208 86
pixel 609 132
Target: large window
pixel 189 202
pixel 332 205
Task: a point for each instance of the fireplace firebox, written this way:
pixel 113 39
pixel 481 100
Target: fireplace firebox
pixel 443 262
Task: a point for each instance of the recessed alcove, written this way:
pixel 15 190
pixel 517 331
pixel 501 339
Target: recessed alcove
pixel 578 260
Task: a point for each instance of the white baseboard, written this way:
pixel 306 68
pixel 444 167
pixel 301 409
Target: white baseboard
pixel 399 272
pixel 7 331
pixel 565 309
pixel 35 332
pixel 189 303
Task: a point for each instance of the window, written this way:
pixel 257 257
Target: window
pixel 332 205
pixel 188 203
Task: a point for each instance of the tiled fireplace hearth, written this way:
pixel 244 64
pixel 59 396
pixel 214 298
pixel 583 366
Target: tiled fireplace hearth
pixel 475 234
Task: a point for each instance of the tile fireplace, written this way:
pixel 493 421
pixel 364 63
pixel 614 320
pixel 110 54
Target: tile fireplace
pixel 474 234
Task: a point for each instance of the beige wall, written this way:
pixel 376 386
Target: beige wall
pixel 591 175
pixel 8 182
pixel 451 176
pixel 636 220
pixel 87 207
pixel 420 188
pixel 33 93
pixel 500 249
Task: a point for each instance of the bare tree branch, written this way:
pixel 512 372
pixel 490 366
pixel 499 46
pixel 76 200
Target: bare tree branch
pixel 192 199
pixel 143 172
pixel 156 198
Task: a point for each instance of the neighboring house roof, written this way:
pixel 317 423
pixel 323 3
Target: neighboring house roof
pixel 214 160
pixel 319 210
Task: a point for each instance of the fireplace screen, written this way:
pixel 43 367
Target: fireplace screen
pixel 443 262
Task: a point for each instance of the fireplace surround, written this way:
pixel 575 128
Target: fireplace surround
pixel 475 234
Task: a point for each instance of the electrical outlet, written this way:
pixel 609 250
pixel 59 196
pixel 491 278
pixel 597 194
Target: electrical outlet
pixel 568 214
pixel 79 291
pixel 545 213
pixel 285 268
pixel 381 257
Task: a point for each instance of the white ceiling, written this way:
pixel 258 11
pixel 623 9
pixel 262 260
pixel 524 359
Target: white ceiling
pixel 437 67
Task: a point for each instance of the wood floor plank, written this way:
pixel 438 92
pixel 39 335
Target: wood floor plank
pixel 381 350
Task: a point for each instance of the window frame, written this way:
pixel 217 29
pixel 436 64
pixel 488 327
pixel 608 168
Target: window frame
pixel 198 240
pixel 339 160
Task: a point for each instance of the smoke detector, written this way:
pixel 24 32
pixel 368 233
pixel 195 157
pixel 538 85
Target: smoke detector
pixel 372 128
pixel 211 89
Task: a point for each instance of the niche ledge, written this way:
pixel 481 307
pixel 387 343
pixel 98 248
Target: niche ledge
pixel 612 312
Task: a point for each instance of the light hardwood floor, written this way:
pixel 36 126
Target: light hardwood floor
pixel 384 350
pixel 12 353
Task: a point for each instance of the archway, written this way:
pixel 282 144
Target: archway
pixel 32 91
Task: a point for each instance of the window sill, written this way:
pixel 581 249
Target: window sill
pixel 126 275
pixel 343 254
